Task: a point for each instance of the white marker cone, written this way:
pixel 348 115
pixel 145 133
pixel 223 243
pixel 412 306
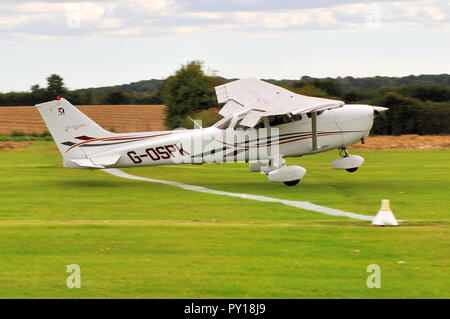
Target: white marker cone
pixel 385 216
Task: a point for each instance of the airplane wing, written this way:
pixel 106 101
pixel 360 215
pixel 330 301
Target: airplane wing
pixel 258 99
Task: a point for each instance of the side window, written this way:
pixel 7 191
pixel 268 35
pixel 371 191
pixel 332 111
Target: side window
pixel 279 119
pixel 297 117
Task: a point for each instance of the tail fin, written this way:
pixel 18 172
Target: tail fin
pixel 70 127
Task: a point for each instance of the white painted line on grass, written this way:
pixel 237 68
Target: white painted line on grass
pixel 303 205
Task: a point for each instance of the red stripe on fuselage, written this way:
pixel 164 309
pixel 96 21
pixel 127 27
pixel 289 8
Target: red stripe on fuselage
pixel 117 138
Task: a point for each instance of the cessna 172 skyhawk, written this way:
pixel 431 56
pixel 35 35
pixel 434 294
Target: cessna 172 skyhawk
pixel 262 123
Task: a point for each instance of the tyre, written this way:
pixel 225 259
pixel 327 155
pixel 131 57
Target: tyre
pixel 351 170
pixel 292 183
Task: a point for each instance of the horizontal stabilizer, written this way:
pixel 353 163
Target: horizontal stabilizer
pixel 97 162
pixel 85 162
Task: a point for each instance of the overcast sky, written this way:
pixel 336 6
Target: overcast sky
pixel 114 42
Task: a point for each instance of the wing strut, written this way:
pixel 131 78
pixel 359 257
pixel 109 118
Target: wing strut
pixel 314 130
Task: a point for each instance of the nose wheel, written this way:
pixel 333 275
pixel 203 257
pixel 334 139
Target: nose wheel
pixel 344 153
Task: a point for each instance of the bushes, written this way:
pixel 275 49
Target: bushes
pixel 23 136
pixel 410 116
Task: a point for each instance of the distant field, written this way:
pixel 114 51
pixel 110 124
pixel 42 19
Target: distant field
pixel 120 118
pixel 404 142
pixel 136 239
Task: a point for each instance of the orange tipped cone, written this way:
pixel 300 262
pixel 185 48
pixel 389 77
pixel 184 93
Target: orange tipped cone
pixel 385 215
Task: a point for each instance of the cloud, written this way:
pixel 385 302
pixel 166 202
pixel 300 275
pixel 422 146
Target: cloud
pixel 143 18
pixel 264 5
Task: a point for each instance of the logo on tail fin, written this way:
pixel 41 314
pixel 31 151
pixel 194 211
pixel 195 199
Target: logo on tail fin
pixel 61 111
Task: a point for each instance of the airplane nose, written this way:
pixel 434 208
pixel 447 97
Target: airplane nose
pixel 378 109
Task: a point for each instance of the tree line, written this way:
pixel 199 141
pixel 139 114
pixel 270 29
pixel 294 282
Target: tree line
pixel 418 107
pixel 417 104
pixel 413 108
pixel 56 87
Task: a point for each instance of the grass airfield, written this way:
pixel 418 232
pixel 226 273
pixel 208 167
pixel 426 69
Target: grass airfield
pixel 135 239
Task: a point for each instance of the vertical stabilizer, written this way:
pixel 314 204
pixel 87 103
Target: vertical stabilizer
pixel 70 127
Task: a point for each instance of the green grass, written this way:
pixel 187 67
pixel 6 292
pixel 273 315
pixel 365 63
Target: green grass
pixel 137 239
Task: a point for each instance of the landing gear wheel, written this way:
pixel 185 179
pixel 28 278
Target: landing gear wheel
pixel 351 170
pixel 292 183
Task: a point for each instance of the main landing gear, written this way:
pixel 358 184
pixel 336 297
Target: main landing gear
pixel 350 163
pixel 277 171
pixel 292 183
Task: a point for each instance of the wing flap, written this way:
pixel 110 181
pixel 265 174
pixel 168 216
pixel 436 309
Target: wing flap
pixel 221 93
pixel 229 108
pixel 252 118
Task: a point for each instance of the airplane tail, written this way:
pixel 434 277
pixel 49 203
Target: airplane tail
pixel 71 129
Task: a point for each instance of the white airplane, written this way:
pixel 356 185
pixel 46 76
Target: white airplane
pixel 262 123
